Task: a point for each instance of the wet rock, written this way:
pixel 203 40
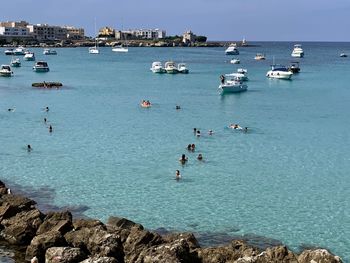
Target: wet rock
pixel 56 221
pixel 101 260
pixel 42 242
pixel 13 204
pixel 123 223
pixel 318 256
pixel 276 254
pixel 3 189
pixel 86 223
pixel 64 255
pixel 188 237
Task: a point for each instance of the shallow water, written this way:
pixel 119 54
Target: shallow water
pixel 286 179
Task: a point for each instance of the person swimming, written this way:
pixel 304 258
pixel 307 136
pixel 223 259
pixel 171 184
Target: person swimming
pixel 193 147
pixel 210 132
pixel 195 130
pixel 50 128
pixel 198 133
pixel 47 109
pixel 189 147
pixel 183 159
pixel 177 175
pixel 178 107
pixel 200 157
pixel 45 120
pixel 29 148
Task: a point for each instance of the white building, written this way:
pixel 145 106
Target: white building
pixel 46 32
pixel 188 37
pixel 149 33
pixel 14 31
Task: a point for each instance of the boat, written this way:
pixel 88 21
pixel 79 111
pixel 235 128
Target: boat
pixel 294 67
pixel 235 61
pixel 232 85
pixel 29 56
pixel 182 68
pixel 241 74
pixel 48 51
pixel 5 71
pixel 15 62
pixel 121 48
pixel 279 72
pixel 260 56
pixel 297 52
pixel 9 52
pixel 20 51
pixel 41 66
pixel 94 49
pixel 343 55
pixel 157 67
pixel 232 50
pixel 170 67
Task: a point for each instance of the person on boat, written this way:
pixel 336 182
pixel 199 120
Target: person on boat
pixel 222 78
pixel 193 147
pixel 200 157
pixel 183 159
pixel 177 175
pixel 29 148
pixel 44 83
pixel 50 128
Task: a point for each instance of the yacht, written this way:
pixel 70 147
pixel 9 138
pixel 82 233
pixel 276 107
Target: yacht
pixel 294 67
pixel 41 66
pixel 29 56
pixel 20 51
pixel 9 52
pixel 297 52
pixel 182 68
pixel 279 72
pixel 260 56
pixel 94 50
pixel 232 50
pixel 235 61
pixel 15 62
pixel 48 51
pixel 232 85
pixel 241 74
pixel 120 49
pixel 157 67
pixel 5 71
pixel 170 67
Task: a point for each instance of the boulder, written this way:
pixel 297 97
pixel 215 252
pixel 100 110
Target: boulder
pixel 123 223
pixel 276 254
pixel 64 255
pixel 3 189
pixel 188 237
pixel 13 204
pixel 42 242
pixel 56 221
pixel 86 223
pixel 100 260
pixel 318 256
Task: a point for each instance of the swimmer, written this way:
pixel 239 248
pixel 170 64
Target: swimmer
pixel 245 129
pixel 194 130
pixel 193 147
pixel 198 133
pixel 10 109
pixel 47 109
pixel 50 128
pixel 29 148
pixel 177 175
pixel 178 107
pixel 45 120
pixel 200 157
pixel 210 132
pixel 183 159
pixel 189 147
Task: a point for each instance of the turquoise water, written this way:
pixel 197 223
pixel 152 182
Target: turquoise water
pixel 287 178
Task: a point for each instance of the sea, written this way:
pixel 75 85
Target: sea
pixel 286 180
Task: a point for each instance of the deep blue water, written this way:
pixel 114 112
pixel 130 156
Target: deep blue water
pixel 286 179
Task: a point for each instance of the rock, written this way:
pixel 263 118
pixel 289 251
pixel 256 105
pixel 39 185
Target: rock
pixel 64 255
pixel 21 228
pixel 318 256
pixel 101 260
pixel 188 237
pixel 13 204
pixel 3 189
pixel 86 223
pixel 56 221
pixel 278 254
pixel 42 242
pixel 123 223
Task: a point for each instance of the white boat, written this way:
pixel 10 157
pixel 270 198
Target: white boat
pixel 232 50
pixel 297 52
pixel 182 68
pixel 279 72
pixel 41 66
pixel 260 56
pixel 235 61
pixel 241 74
pixel 15 62
pixel 170 67
pixel 5 71
pixel 94 49
pixel 29 56
pixel 120 48
pixel 232 85
pixel 20 51
pixel 9 52
pixel 157 67
pixel 48 51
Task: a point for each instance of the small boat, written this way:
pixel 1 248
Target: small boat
pixel 170 67
pixel 157 67
pixel 232 85
pixel 20 51
pixel 9 52
pixel 94 50
pixel 120 49
pixel 235 61
pixel 297 52
pixel 343 55
pixel 48 51
pixel 5 71
pixel 279 72
pixel 182 68
pixel 29 56
pixel 241 74
pixel 232 50
pixel 260 56
pixel 15 62
pixel 41 66
pixel 47 85
pixel 294 67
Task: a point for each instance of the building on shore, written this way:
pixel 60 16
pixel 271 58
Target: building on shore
pixel 45 32
pixel 75 33
pixel 188 37
pixel 148 34
pixel 106 32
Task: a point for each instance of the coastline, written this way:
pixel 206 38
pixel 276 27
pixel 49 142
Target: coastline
pixel 57 237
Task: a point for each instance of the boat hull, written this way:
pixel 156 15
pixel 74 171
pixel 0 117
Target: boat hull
pixel 5 74
pixel 16 64
pixel 279 74
pixel 236 52
pixel 36 69
pixel 120 50
pixel 227 88
pixel 297 55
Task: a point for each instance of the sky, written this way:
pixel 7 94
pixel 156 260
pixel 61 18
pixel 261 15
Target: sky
pixel 255 20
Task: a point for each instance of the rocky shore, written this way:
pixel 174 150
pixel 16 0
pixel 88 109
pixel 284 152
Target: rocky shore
pixel 57 237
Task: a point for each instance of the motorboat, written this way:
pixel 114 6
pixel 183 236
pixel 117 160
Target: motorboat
pixel 29 56
pixel 182 68
pixel 260 56
pixel 279 72
pixel 232 85
pixel 20 51
pixel 294 67
pixel 9 52
pixel 232 50
pixel 157 67
pixel 5 71
pixel 343 55
pixel 94 50
pixel 241 74
pixel 120 49
pixel 48 51
pixel 170 67
pixel 235 61
pixel 297 52
pixel 15 62
pixel 41 66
